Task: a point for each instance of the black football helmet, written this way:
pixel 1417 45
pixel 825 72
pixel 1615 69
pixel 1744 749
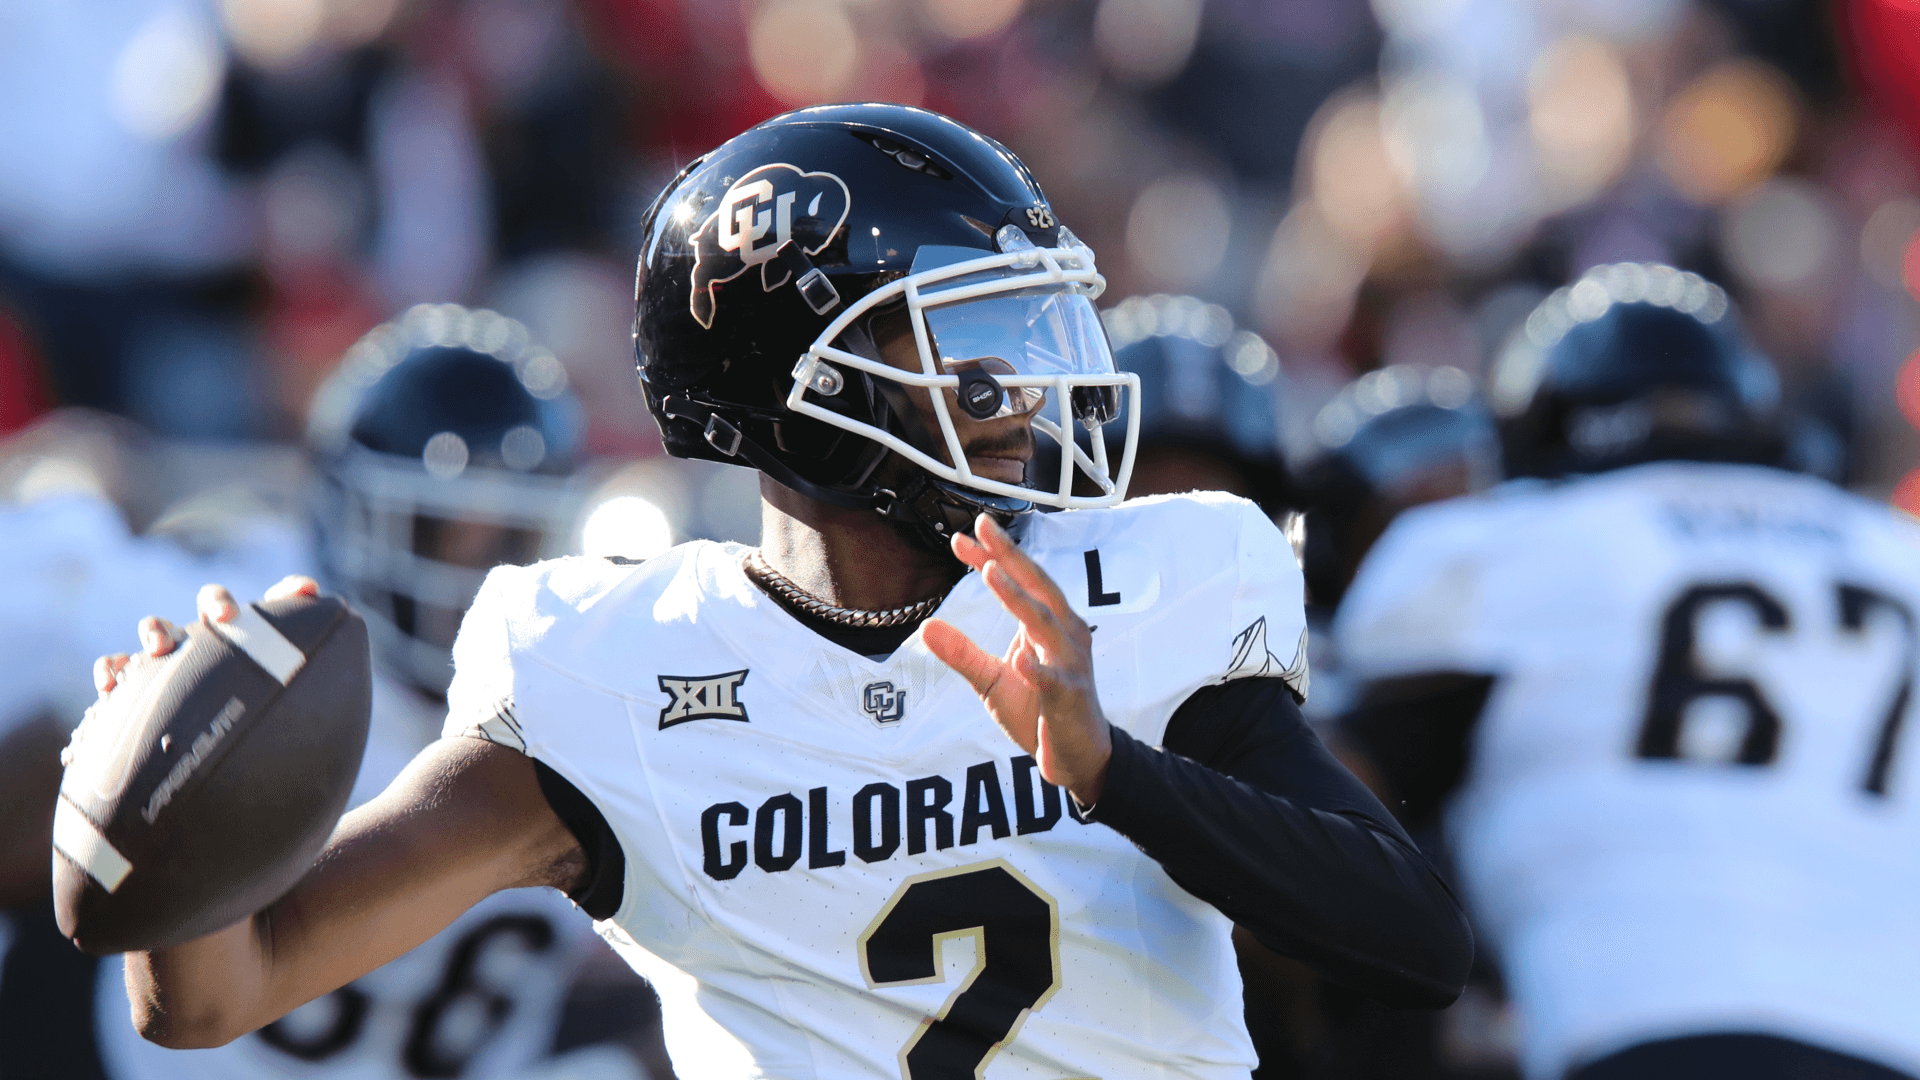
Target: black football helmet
pixel 1390 440
pixel 767 263
pixel 1211 396
pixel 441 448
pixel 1634 362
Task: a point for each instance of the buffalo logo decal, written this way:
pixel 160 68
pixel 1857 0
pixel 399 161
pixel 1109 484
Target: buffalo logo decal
pixel 762 210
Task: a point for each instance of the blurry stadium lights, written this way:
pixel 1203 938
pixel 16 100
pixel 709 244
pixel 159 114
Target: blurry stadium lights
pixel 1305 293
pixel 1910 266
pixel 167 77
pixel 1906 494
pixel 627 526
pixel 1886 238
pixel 1906 389
pixel 804 51
pixel 1352 180
pixel 963 19
pixel 1177 231
pixel 1418 18
pixel 1781 234
pixel 1146 41
pixel 269 33
pixel 1436 134
pixel 1726 131
pixel 355 22
pixel 1581 113
pixel 888 72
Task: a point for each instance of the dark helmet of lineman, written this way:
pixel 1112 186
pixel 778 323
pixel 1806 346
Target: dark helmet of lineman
pixel 770 266
pixel 441 447
pixel 1210 400
pixel 1634 362
pixel 1390 440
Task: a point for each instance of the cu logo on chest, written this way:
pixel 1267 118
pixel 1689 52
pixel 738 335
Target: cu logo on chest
pixel 883 704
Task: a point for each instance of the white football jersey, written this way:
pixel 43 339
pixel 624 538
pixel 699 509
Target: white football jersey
pixel 74 582
pixel 838 867
pixel 480 1000
pixel 1693 803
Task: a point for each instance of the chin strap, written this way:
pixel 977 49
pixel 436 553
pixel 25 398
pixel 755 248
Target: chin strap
pixel 932 511
pixel 928 510
pixel 723 436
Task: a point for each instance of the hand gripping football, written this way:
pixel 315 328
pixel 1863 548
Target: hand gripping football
pixel 205 785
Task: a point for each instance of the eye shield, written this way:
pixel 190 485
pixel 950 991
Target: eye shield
pixel 1001 335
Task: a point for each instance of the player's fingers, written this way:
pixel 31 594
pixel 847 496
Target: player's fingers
pixel 1039 620
pixel 1059 687
pixel 969 551
pixel 293 585
pixel 981 669
pixel 1000 546
pixel 157 636
pixel 106 671
pixel 216 604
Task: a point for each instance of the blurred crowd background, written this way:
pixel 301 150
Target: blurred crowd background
pixel 205 203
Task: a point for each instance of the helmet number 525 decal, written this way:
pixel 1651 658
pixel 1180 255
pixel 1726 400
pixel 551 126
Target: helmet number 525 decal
pixel 760 211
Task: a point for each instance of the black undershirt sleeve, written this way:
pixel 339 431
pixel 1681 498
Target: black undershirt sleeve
pixel 1247 810
pixel 605 882
pixel 1415 731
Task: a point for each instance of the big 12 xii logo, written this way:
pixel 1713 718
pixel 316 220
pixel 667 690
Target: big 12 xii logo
pixel 760 211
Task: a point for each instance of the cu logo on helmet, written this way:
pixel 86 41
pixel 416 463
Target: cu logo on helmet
pixel 760 211
pixel 882 702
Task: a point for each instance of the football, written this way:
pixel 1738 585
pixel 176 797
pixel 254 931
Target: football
pixel 205 785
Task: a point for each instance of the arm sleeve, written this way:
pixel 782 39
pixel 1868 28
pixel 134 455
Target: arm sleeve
pixel 1416 732
pixel 1245 809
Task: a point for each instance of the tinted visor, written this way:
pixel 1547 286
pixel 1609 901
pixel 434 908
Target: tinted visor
pixel 1046 330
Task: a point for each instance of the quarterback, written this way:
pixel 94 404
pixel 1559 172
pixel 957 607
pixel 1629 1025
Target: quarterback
pixel 928 784
pixel 483 999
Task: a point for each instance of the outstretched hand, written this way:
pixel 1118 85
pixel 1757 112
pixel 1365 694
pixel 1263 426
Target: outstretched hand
pixel 1041 691
pixel 159 636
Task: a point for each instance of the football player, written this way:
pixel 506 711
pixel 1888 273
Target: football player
pixel 440 448
pixel 1658 688
pixel 1209 406
pixel 1390 440
pixel 1209 402
pixel 71 575
pixel 830 826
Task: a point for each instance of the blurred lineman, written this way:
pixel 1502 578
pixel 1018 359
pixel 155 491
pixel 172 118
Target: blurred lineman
pixel 441 448
pixel 1390 440
pixel 1395 438
pixel 71 575
pixel 758 768
pixel 1209 402
pixel 1210 421
pixel 1658 690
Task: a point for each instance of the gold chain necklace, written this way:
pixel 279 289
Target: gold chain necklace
pixel 755 565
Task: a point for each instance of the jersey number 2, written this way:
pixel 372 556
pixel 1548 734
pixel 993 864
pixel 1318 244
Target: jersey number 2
pixel 1016 933
pixel 1679 680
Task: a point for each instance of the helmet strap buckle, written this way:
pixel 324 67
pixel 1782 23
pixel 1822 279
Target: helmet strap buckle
pixel 723 436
